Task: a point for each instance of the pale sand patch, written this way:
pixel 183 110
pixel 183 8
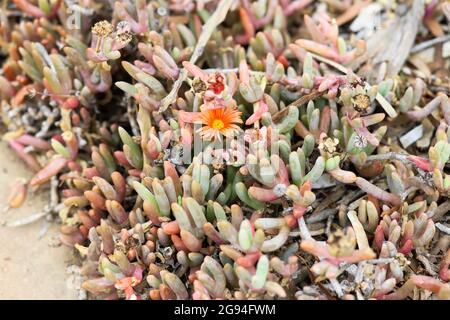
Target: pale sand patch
pixel 30 268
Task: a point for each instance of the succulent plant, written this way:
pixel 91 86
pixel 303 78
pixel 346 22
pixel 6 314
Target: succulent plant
pixel 199 150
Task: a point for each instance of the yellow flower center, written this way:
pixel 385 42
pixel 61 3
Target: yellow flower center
pixel 218 124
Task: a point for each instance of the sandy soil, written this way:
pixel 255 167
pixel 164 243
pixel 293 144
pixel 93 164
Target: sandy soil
pixel 30 268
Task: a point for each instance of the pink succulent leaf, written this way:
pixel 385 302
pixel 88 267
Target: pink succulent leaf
pixel 263 107
pixel 378 193
pixel 364 132
pixel 318 48
pixel 244 74
pixel 420 162
pixel 195 71
pixel 29 8
pixel 332 92
pixel 135 26
pixel 299 210
pixel 212 101
pixel 128 283
pixel 166 138
pixel 38 143
pixel 444 271
pixel 142 15
pixel 359 126
pixel 314 31
pixel 152 149
pixel 327 83
pixel 262 194
pixel 186 136
pixel 295 6
pixel 146 67
pixel 96 56
pixel 29 158
pixel 407 247
pixel 50 170
pixel 283 173
pixel 379 237
pixel 188 117
pixel 321 250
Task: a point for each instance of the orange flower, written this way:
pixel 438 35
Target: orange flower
pixel 219 122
